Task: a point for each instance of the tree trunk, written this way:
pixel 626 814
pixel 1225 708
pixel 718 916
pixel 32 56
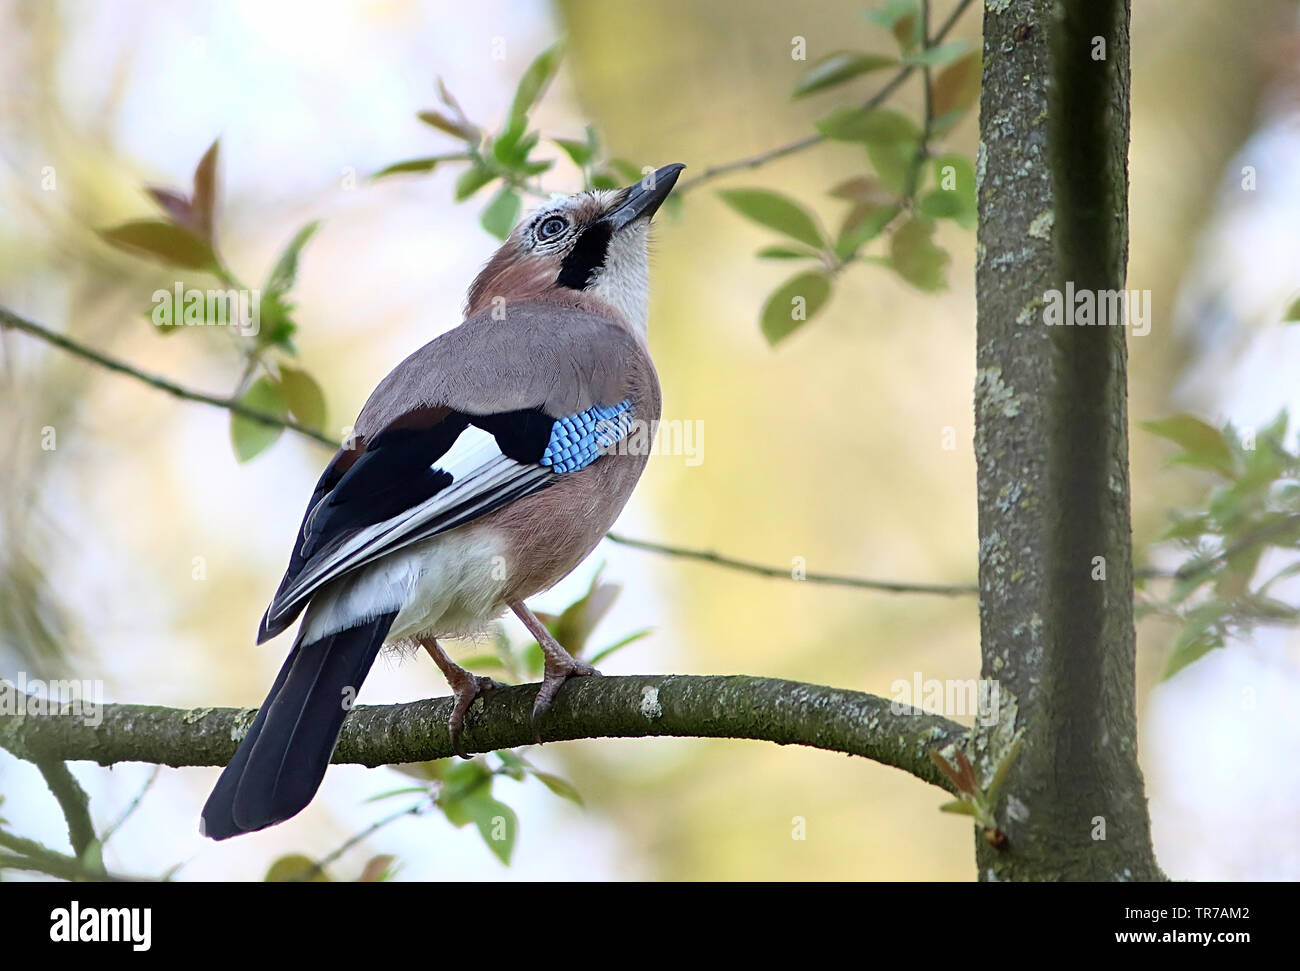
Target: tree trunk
pixel 1051 444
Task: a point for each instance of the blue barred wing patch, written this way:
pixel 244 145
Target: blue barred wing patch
pixel 578 440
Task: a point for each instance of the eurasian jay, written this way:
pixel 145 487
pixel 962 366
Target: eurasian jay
pixel 482 470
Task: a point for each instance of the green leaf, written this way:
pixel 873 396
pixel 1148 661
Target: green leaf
pixel 787 253
pixel 938 204
pixel 471 180
pixel 619 645
pixel 1192 645
pixel 285 272
pixel 899 17
pixel 1187 527
pixel 446 98
pixel 275 327
pixel 864 190
pixel 954 92
pixel 403 791
pixel 1282 574
pixel 892 162
pixel 561 787
pixel 961 807
pixel 838 68
pixel 501 213
pixel 628 171
pixel 164 241
pixel 915 258
pixel 1003 769
pixel 1292 314
pixel 1204 446
pixel 863 223
pixel 419 165
pixel 92 857
pixel 303 396
pixel 954 194
pixel 793 304
pixel 574 625
pixel 496 822
pixel 203 205
pixel 535 79
pixel 513 765
pixel 581 152
pixel 248 436
pixel 451 126
pixel 870 125
pixel 433 770
pixel 378 869
pixel 775 211
pixel 512 147
pixel 293 867
pixel 938 55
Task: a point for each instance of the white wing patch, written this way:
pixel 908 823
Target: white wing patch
pixel 481 475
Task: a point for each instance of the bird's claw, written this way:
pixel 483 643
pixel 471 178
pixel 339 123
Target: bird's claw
pixel 465 690
pixel 557 672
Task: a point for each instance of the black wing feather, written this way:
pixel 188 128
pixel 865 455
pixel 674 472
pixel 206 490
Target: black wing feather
pixel 397 471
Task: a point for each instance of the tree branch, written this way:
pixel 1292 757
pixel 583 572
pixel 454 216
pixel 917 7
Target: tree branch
pixel 1051 444
pixel 11 321
pixel 737 706
pixel 808 141
pixel 72 800
pixel 31 855
pixel 784 573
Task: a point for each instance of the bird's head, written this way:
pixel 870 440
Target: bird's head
pixel 590 243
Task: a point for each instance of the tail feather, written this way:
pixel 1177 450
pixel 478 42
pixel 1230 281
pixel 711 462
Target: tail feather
pixel 280 763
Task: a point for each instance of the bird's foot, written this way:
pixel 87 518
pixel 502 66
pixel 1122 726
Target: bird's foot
pixel 559 669
pixel 465 688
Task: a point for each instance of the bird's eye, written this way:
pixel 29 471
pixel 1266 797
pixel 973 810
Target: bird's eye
pixel 552 227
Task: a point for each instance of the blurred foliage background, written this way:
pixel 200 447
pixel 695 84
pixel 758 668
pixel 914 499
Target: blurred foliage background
pixel 140 552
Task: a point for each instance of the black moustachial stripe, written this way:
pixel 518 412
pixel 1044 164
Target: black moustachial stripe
pixel 586 257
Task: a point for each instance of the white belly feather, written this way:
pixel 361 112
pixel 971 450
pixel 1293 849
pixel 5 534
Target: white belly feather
pixel 450 584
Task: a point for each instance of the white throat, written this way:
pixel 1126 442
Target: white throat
pixel 624 280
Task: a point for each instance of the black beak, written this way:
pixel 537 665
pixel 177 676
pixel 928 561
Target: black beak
pixel 643 198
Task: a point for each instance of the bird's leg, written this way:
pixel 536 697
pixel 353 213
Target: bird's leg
pixel 560 664
pixel 465 687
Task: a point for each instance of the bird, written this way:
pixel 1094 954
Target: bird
pixel 481 470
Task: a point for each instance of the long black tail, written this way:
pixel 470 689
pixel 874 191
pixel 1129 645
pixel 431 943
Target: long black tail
pixel 279 765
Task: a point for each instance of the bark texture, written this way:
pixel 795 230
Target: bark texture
pixel 1056 578
pixel 785 712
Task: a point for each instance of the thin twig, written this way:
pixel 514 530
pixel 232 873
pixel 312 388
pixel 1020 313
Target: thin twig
pixel 30 855
pixel 72 800
pixel 922 146
pixel 132 806
pixel 785 573
pixel 419 809
pixel 808 141
pixel 11 320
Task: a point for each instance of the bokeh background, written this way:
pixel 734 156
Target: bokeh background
pixel 827 448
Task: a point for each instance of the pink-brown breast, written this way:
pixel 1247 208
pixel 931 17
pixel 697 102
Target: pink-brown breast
pixel 550 532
